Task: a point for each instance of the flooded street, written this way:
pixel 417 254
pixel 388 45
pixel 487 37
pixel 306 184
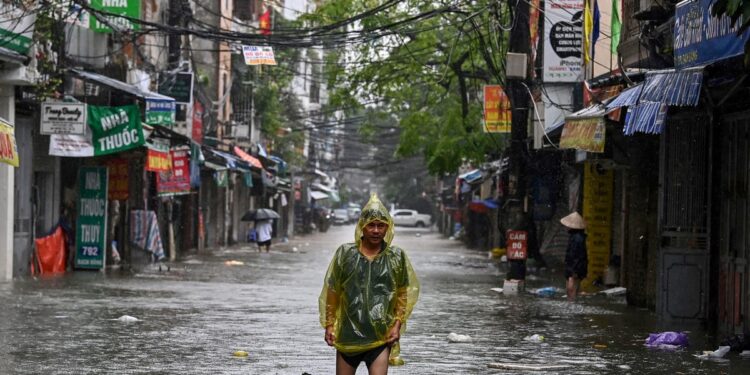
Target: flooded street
pixel 192 319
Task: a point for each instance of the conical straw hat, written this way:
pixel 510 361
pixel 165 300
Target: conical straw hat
pixel 574 221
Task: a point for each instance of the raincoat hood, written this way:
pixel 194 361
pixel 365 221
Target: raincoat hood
pixel 374 210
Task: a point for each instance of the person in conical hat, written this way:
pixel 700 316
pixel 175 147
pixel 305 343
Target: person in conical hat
pixel 576 257
pixel 369 292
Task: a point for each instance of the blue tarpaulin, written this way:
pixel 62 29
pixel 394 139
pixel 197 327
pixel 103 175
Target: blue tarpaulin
pixel 471 176
pixel 648 102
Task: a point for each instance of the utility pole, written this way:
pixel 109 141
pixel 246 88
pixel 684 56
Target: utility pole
pixel 516 206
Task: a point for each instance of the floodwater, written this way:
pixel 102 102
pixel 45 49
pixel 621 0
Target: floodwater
pixel 195 316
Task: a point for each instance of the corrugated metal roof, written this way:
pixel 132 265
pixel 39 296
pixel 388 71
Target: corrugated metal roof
pixel 648 117
pixel 626 98
pixel 676 88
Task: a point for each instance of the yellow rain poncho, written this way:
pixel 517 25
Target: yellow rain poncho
pixel 362 298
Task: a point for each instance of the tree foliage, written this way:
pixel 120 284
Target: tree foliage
pixel 428 72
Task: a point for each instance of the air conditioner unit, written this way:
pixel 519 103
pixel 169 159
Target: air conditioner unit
pixel 515 65
pixel 241 131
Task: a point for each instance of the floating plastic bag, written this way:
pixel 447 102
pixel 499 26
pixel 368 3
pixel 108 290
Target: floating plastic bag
pixel 51 253
pixel 534 338
pixel 549 291
pixel 455 337
pixel 714 355
pixel 667 340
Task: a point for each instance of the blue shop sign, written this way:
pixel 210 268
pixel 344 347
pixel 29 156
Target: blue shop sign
pixel 700 38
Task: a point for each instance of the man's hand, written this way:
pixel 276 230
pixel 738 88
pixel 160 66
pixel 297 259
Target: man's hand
pixel 329 336
pixel 394 334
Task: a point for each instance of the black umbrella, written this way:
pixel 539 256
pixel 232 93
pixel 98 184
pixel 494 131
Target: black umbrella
pixel 260 214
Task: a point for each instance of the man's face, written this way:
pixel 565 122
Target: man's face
pixel 374 232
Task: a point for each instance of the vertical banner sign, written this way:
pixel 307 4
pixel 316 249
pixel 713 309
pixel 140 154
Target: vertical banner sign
pixel 118 189
pixel 91 225
pixel 8 146
pixel 534 9
pixel 497 110
pixel 598 192
pixel 197 122
pixel 17 20
pixel 516 244
pixel 160 112
pixel 121 8
pixel 176 182
pixel 115 129
pixel 563 30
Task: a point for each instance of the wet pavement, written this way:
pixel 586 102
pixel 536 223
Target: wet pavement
pixel 195 316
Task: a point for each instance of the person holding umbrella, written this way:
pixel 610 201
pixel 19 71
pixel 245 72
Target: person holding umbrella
pixel 264 231
pixel 263 227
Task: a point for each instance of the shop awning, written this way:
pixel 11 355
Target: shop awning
pixel 677 88
pixel 674 88
pixel 118 85
pixel 232 162
pixel 321 187
pixel 9 55
pixel 318 195
pixel 214 166
pixel 647 117
pixel 248 158
pixel 648 102
pixel 483 206
pixel 626 98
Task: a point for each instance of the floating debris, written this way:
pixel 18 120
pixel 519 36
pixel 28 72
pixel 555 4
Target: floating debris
pixel 240 353
pixel 534 338
pixel 528 367
pixel 619 291
pixel 234 263
pixel 716 354
pixel 456 338
pixel 127 319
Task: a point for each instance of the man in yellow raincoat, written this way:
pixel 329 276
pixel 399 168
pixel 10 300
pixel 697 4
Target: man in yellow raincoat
pixel 368 294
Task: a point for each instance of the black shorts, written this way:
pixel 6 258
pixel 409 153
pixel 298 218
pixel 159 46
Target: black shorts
pixel 367 357
pixel 264 243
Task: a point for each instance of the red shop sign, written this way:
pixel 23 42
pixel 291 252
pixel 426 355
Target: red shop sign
pixel 516 244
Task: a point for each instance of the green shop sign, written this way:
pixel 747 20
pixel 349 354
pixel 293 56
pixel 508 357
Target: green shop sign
pixel 91 225
pixel 16 26
pixel 115 129
pixel 118 12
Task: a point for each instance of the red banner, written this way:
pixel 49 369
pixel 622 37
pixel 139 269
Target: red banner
pixel 264 22
pixel 158 161
pixel 516 244
pixel 197 121
pixel 497 110
pixel 177 181
pixel 118 179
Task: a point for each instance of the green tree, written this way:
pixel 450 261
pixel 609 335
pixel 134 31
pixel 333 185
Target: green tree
pixel 425 63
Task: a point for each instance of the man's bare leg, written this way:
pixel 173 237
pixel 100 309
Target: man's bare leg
pixel 380 365
pixel 343 368
pixel 572 288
